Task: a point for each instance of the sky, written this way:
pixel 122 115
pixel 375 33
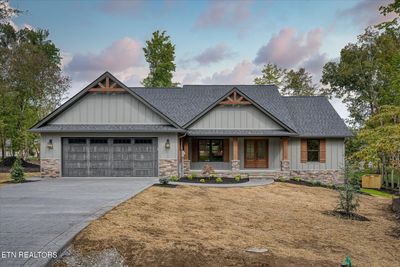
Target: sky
pixel 217 42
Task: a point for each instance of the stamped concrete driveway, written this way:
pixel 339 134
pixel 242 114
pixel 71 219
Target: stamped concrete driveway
pixel 44 216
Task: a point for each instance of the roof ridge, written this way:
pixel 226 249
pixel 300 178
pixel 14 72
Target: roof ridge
pixel 303 96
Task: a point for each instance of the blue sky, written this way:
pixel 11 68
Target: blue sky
pixel 216 42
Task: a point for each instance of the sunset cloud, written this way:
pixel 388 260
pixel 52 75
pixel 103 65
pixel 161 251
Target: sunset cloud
pixel 288 48
pixel 242 73
pixel 213 54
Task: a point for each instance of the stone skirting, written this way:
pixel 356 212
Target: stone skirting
pixel 285 165
pixel 50 168
pixel 324 176
pixel 168 167
pixel 235 166
pixel 186 167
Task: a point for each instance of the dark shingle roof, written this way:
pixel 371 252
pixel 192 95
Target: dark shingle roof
pixel 306 116
pixel 93 128
pixel 315 117
pixel 183 104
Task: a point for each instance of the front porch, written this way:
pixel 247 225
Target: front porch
pixel 260 156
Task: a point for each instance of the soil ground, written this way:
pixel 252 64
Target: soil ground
pixel 198 226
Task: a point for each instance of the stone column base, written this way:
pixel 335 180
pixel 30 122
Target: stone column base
pixel 50 168
pixel 186 167
pixel 168 167
pixel 235 166
pixel 285 165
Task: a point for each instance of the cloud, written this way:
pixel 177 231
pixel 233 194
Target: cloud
pixel 119 57
pixel 213 54
pixel 366 13
pixel 224 14
pixel 287 49
pixel 315 64
pixel 242 73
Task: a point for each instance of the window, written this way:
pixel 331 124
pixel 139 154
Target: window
pixel 211 150
pixel 98 141
pixel 143 141
pixel 122 141
pixel 77 141
pixel 313 149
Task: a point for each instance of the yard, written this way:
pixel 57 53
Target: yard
pixel 5 176
pixel 194 226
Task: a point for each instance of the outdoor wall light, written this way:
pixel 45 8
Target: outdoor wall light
pixel 167 144
pixel 50 144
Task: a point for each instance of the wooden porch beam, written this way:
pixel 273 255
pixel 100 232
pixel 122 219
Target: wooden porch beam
pixel 235 149
pixel 285 148
pixel 186 148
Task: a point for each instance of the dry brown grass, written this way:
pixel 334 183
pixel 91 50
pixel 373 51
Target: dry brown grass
pixel 5 176
pixel 195 226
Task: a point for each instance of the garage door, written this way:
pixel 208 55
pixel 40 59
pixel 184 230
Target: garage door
pixel 102 157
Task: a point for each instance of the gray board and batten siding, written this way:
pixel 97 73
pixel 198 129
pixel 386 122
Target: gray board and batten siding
pixel 109 109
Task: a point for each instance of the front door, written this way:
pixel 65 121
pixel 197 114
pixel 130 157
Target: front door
pixel 256 153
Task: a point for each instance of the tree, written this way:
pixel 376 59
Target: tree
pixel 393 24
pixel 31 83
pixel 17 172
pixel 298 83
pixel 379 139
pixel 7 12
pixel 290 82
pixel 160 54
pixel 271 74
pixel 367 74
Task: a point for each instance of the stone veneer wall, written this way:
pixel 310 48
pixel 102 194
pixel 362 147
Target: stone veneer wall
pixel 50 168
pixel 324 176
pixel 168 167
pixel 186 167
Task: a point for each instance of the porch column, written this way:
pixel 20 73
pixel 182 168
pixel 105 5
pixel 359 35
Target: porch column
pixel 186 161
pixel 285 163
pixel 235 156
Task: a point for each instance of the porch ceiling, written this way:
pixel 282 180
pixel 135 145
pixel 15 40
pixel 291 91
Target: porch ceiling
pixel 234 132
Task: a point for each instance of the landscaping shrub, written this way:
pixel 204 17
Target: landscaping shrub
pixel 194 174
pixel 219 180
pixel 17 172
pixel 282 179
pixel 296 179
pixel 238 178
pixel 173 178
pixel 164 180
pixel 202 181
pixel 190 177
pixel 348 200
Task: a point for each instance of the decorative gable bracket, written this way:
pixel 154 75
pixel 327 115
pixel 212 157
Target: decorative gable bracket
pixel 235 99
pixel 107 85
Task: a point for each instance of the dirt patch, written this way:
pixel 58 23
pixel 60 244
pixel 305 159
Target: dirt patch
pixel 197 226
pixel 344 215
pixel 6 179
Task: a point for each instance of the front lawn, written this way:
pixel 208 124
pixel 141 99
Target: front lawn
pixel 198 226
pixel 5 176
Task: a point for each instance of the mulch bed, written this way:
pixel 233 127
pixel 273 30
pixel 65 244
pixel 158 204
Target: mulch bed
pixel 212 180
pixel 6 164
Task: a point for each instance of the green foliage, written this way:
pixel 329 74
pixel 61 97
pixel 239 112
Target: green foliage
pixel 194 174
pixel 392 8
pixel 271 74
pixel 160 54
pixel 291 82
pixel 202 181
pixel 299 83
pixel 296 179
pixel 282 179
pixel 348 200
pixel 17 172
pixel 164 180
pixel 190 177
pixel 379 139
pixel 238 178
pixel 367 75
pixel 173 178
pixel 219 180
pixel 7 12
pixel 31 83
pixel 374 192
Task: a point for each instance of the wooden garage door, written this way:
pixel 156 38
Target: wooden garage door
pixel 103 157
